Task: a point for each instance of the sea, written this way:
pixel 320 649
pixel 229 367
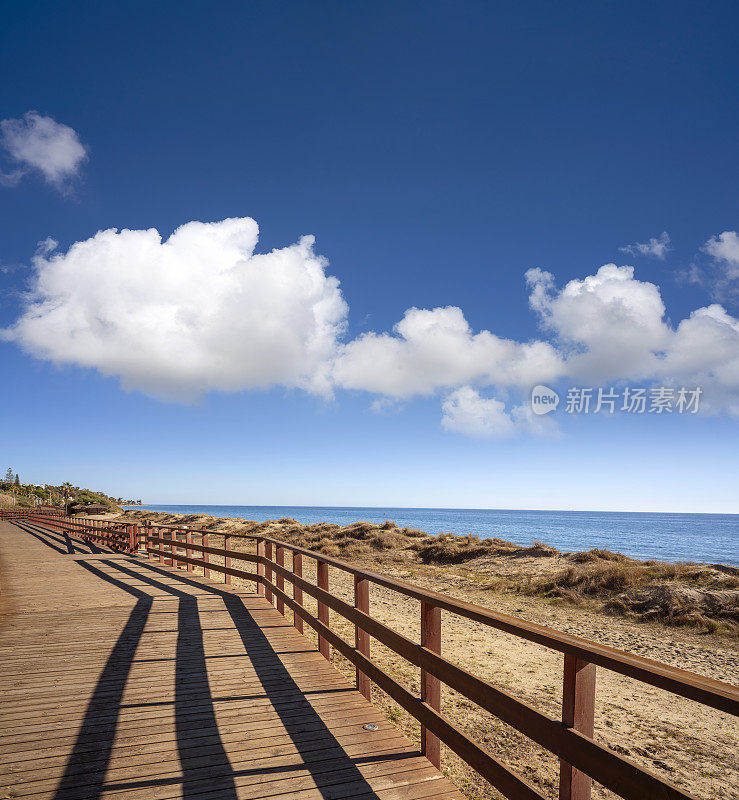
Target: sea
pixel 710 538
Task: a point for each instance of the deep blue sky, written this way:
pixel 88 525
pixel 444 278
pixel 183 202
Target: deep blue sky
pixel 437 151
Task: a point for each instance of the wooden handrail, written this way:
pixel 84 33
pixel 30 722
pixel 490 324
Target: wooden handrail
pixel 610 769
pixel 19 513
pixel 117 536
pixel 571 739
pixel 704 690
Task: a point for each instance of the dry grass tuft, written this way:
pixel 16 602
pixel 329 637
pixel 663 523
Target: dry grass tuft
pixel 595 555
pixel 450 549
pixel 674 604
pixel 676 594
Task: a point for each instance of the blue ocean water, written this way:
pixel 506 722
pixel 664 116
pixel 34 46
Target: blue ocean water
pixel 712 538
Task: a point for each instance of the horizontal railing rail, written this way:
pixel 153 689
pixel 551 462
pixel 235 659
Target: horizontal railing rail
pixel 19 512
pixel 570 738
pixel 117 536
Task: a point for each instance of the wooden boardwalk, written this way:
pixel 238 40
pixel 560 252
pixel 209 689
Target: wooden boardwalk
pixel 123 678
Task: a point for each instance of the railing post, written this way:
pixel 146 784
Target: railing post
pixel 280 559
pixel 260 567
pixel 297 591
pixel 578 712
pixel 206 556
pixel 227 559
pixel 268 570
pixel 161 546
pixel 176 550
pixel 148 534
pixel 188 550
pixel 132 534
pixel 322 576
pixel 430 686
pixel 361 637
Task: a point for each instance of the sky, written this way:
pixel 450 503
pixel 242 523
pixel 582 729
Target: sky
pixel 296 253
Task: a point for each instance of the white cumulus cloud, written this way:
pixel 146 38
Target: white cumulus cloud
pixel 40 143
pixel 611 326
pixel 608 323
pixel 197 312
pixel 656 247
pixel 704 351
pixel 435 349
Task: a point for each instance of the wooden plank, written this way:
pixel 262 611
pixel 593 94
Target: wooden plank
pixel 248 741
pixel 153 730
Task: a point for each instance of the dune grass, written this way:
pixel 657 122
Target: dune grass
pixel 701 595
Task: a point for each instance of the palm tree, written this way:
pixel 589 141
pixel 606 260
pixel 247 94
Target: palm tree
pixel 66 486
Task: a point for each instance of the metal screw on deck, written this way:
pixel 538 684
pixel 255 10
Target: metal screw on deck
pixel 370 726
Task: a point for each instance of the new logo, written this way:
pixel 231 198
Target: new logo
pixel 543 400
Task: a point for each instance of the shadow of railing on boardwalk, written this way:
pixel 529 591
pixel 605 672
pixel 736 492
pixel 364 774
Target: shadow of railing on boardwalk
pixel 199 742
pixel 92 751
pixel 61 542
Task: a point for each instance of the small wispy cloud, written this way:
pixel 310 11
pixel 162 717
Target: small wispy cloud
pixel 38 143
pixel 467 412
pixel 724 248
pixel 719 273
pixel 656 247
pixel 385 405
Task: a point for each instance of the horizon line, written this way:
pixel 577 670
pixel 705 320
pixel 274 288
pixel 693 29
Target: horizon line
pixel 436 508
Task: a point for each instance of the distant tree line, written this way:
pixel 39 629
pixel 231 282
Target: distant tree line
pixel 65 494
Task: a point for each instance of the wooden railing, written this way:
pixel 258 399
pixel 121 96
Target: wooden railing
pixel 582 759
pixel 20 513
pixel 106 533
